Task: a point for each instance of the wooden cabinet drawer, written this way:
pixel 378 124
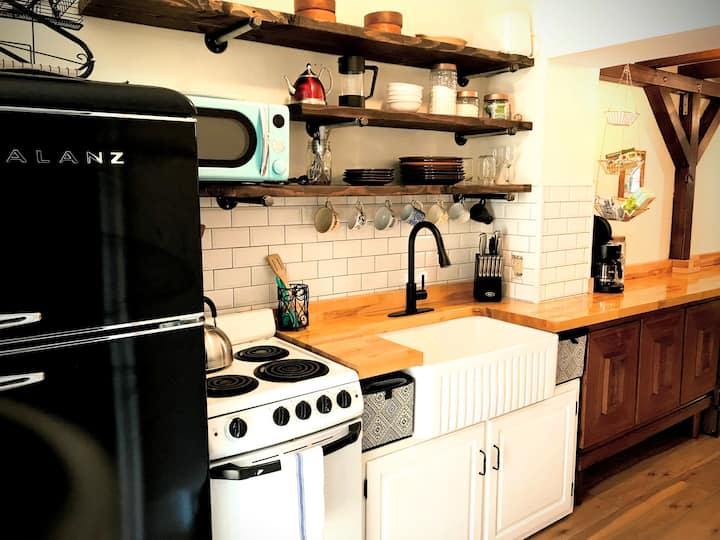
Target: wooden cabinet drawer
pixel 701 351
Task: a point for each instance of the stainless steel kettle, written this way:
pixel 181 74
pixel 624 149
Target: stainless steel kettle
pixel 218 349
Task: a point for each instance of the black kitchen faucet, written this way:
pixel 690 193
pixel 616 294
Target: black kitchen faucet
pixel 411 293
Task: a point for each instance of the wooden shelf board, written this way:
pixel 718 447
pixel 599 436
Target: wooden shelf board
pixel 337 190
pixel 289 30
pixel 328 115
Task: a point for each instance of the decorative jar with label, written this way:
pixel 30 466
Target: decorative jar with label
pixel 497 106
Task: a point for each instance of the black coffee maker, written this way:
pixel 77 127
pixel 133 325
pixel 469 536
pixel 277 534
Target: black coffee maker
pixel 607 267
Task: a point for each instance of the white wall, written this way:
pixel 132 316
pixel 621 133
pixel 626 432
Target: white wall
pixel 706 210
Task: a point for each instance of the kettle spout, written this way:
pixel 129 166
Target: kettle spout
pixel 291 88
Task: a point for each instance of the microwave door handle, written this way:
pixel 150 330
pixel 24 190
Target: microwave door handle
pixel 264 121
pixel 352 436
pixel 8 382
pixel 9 320
pixel 230 471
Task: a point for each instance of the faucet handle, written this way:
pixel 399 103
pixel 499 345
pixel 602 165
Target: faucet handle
pixel 421 294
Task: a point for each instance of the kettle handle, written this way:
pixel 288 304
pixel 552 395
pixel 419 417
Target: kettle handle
pixel 213 309
pixel 324 68
pixel 374 69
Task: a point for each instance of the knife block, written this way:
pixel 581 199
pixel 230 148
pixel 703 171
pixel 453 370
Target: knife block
pixel 487 286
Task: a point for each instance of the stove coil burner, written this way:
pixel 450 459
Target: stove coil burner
pixel 290 370
pixel 261 353
pixel 230 385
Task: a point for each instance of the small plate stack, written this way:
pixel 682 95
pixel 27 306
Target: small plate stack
pixel 417 170
pixel 403 97
pixel 368 177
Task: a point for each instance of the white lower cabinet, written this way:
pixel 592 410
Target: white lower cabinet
pixel 505 478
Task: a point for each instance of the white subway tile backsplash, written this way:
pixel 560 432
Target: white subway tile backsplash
pixel 207 277
pixel 577 225
pixel 303 201
pixel 217 258
pixel 232 277
pixel 558 193
pixel 332 267
pixel 554 259
pixel 263 236
pixel 320 287
pixel 569 209
pixel 345 284
pixel 551 210
pixel 556 226
pixel 302 270
pixel 360 265
pixel 398 245
pixel 384 263
pixel 582 193
pixel 215 217
pixel 230 238
pixel 567 241
pixel 285 215
pixel 249 216
pixel 255 295
pixel 223 299
pixel 573 287
pixel 288 252
pixel 575 256
pixel 250 256
pixel 347 248
pixel 376 280
pixel 261 275
pixel 517 211
pixel 377 246
pixel 448 273
pixel 300 234
pixel 314 251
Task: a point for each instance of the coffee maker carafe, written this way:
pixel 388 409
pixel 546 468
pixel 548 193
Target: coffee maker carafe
pixel 607 266
pixel 352 81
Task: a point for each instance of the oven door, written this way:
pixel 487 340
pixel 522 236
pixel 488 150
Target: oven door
pixel 306 489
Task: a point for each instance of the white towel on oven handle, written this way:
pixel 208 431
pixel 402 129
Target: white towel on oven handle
pixel 311 475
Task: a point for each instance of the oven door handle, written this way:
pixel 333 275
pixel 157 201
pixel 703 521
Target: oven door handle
pixel 352 436
pixel 230 471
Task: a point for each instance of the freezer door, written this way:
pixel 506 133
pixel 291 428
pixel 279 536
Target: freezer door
pixel 100 220
pixel 106 441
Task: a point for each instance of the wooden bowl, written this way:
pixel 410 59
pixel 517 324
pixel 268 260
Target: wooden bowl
pixel 388 17
pixel 384 27
pixel 327 5
pixel 317 14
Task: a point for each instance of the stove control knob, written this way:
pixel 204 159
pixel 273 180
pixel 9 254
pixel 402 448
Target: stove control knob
pixel 303 410
pixel 237 428
pixel 324 404
pixel 344 399
pixel 281 416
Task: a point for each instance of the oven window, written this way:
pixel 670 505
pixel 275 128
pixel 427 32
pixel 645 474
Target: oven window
pixel 225 138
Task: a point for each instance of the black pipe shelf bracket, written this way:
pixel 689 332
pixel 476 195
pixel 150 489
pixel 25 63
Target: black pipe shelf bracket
pixel 228 203
pixel 461 138
pixel 311 128
pixel 457 197
pixel 464 79
pixel 217 41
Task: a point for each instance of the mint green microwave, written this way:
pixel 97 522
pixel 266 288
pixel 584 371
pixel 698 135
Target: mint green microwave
pixel 241 141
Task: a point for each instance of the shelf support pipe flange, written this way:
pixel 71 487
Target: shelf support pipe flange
pixel 228 203
pixel 217 41
pixel 312 127
pixel 461 138
pixel 463 80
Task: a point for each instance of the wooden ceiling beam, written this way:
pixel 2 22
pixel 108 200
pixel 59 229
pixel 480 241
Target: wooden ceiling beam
pixel 668 120
pixel 646 76
pixel 690 58
pixel 709 123
pixel 702 70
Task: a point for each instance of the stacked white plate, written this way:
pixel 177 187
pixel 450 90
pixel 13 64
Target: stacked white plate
pixel 403 97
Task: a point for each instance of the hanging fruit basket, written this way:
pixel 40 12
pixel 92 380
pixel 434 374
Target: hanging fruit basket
pixel 624 160
pixel 623 116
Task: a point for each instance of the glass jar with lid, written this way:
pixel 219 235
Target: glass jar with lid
pixel 497 106
pixel 443 86
pixel 467 104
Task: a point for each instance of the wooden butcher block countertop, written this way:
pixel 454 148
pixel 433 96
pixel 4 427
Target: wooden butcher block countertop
pixel 345 329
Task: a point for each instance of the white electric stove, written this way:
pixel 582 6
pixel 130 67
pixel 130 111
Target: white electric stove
pixel 284 438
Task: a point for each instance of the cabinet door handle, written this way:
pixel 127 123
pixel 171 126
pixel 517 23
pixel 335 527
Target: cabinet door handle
pixel 484 463
pixel 497 448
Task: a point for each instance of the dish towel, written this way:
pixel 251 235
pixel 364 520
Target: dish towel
pixel 311 484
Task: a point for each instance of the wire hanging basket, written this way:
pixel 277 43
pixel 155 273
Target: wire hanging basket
pixel 623 117
pixel 626 160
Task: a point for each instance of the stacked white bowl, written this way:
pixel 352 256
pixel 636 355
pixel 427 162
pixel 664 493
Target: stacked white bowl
pixel 403 97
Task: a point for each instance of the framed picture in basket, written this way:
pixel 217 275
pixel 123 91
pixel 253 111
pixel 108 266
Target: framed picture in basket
pixel 630 180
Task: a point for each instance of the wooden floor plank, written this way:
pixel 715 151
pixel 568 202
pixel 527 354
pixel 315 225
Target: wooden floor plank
pixel 672 494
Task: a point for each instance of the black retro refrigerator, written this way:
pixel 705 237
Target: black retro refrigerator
pixel 102 377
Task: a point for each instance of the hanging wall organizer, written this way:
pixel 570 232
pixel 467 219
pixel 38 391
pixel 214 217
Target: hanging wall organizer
pixel 59 16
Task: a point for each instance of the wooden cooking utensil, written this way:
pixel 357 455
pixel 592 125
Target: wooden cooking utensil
pixel 278 266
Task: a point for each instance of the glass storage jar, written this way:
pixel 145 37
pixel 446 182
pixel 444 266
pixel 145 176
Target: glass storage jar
pixel 319 161
pixel 497 106
pixel 467 104
pixel 443 86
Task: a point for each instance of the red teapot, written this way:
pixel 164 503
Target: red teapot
pixel 308 88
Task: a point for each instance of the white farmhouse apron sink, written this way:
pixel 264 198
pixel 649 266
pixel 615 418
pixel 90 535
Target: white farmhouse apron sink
pixel 474 369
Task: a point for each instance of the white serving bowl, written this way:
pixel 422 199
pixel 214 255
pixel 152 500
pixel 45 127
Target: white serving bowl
pixel 403 106
pixel 406 87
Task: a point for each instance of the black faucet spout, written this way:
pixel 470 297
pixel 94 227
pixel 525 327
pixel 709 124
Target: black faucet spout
pixel 411 292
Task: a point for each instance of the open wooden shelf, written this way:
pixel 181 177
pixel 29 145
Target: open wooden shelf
pixel 328 115
pixel 234 190
pixel 289 30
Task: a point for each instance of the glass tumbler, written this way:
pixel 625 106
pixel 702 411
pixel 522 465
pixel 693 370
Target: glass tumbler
pixel 487 169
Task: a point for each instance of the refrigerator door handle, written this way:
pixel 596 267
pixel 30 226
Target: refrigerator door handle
pixel 8 320
pixel 8 382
